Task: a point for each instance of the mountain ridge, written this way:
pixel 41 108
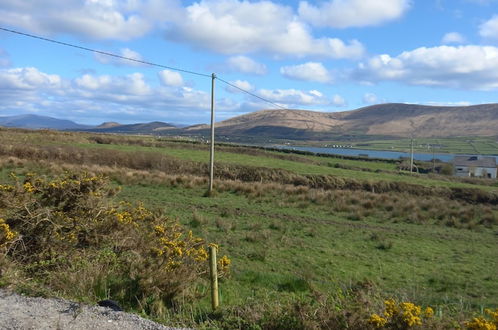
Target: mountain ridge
pixel 390 119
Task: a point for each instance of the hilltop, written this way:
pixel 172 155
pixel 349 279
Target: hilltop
pixel 391 119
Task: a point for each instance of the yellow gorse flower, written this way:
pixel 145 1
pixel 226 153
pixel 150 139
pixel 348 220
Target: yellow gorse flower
pixel 402 315
pixel 480 323
pixel 6 234
pixel 377 321
pixel 28 187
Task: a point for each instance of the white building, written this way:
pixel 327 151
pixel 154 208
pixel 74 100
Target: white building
pixel 475 166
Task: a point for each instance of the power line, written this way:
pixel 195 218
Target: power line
pixel 250 93
pixel 140 61
pixel 105 53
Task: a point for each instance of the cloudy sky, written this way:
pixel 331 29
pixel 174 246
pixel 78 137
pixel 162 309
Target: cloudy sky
pixel 329 55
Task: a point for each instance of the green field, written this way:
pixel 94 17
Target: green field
pixel 304 227
pixel 459 145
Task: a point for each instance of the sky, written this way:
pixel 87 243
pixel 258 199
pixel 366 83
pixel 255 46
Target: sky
pixel 329 55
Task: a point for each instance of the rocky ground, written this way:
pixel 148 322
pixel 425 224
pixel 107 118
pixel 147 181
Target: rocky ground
pixel 21 312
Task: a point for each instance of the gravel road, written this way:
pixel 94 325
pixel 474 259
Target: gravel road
pixel 20 312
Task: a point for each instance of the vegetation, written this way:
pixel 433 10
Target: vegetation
pixel 459 145
pixel 311 244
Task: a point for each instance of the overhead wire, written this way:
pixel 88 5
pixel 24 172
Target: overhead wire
pixel 142 62
pixel 105 53
pixel 252 94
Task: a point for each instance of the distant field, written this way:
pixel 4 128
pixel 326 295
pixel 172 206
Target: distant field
pixel 296 226
pixel 461 145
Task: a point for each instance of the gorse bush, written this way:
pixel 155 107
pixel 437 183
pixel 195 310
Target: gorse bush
pixel 403 315
pixel 481 323
pixel 69 235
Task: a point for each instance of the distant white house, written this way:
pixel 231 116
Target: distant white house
pixel 475 166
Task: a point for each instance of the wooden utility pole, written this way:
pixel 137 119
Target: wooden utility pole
pixel 211 156
pixel 411 156
pixel 433 161
pixel 213 272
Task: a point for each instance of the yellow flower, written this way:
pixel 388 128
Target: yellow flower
pixel 480 323
pixel 391 308
pixel 377 321
pixel 159 229
pixel 428 312
pixel 6 234
pixel 493 314
pixel 28 187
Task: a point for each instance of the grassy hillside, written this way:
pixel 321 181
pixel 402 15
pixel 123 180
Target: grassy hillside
pixel 314 241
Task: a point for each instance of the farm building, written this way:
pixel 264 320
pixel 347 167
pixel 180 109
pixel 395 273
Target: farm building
pixel 475 166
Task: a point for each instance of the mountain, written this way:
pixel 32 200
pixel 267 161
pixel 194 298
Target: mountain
pixel 108 124
pixel 392 119
pixel 38 122
pixel 140 128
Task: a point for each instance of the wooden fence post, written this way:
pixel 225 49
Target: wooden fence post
pixel 214 277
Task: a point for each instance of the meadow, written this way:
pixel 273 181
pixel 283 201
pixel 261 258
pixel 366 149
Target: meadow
pixel 313 242
pixel 456 145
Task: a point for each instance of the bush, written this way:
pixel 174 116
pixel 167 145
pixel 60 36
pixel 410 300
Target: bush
pixel 67 234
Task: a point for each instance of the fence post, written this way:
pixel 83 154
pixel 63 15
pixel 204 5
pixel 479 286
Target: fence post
pixel 214 277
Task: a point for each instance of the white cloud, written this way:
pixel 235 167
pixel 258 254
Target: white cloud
pixel 171 78
pixel 292 97
pixel 244 64
pixel 4 58
pixel 453 37
pixel 297 98
pixel 310 71
pixel 235 27
pixel 449 104
pixel 28 79
pixel 352 13
pixel 91 19
pixel 489 29
pixel 338 100
pixel 370 98
pixel 463 67
pixel 245 85
pixel 222 26
pixel 92 98
pixel 124 52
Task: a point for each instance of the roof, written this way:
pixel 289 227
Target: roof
pixel 478 161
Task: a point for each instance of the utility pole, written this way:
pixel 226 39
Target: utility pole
pixel 211 156
pixel 433 160
pixel 411 156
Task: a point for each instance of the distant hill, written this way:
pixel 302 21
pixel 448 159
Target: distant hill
pixel 392 119
pixel 39 122
pixel 44 122
pixel 140 128
pixel 108 124
pixel 388 120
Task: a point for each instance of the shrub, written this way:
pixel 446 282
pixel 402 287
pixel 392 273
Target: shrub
pixel 69 235
pixel 401 315
pixel 481 323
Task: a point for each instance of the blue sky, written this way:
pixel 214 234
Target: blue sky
pixel 330 55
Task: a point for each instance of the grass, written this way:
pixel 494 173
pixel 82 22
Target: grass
pixel 326 250
pixel 292 244
pixel 457 145
pixel 320 168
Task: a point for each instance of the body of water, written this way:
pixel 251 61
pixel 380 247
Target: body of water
pixel 376 153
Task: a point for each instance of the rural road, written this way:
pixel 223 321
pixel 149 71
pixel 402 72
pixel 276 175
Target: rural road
pixel 26 313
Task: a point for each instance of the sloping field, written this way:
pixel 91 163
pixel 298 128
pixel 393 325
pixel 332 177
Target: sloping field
pixel 314 241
